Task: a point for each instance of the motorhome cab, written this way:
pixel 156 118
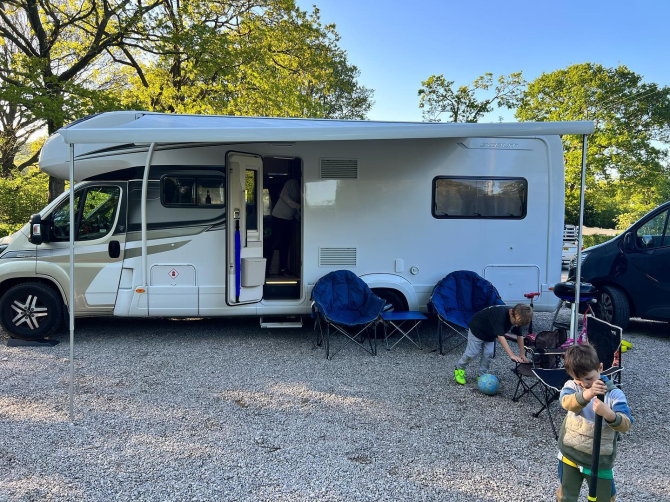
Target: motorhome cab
pixel 174 215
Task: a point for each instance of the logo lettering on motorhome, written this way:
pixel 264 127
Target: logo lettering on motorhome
pixel 498 145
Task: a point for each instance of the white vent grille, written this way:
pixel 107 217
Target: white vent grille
pixel 339 169
pixel 337 257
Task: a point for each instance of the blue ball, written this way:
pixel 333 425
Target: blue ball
pixel 488 384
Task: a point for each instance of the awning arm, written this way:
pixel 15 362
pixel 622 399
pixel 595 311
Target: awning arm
pixel 580 241
pixel 71 301
pixel 145 186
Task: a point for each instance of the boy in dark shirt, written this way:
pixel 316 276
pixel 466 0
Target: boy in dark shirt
pixel 487 325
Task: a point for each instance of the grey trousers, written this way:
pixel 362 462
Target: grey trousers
pixel 474 348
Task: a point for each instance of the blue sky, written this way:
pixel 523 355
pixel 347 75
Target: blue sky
pixel 396 46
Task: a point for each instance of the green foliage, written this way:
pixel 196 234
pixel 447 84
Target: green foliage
pixel 627 161
pixel 272 61
pixel 437 96
pixel 595 239
pixel 21 196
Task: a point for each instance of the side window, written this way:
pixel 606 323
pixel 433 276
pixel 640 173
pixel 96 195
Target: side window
pixel 479 197
pixel 650 235
pixel 178 191
pixel 60 219
pixel 98 213
pixel 211 192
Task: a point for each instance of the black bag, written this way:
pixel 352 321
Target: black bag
pixel 547 341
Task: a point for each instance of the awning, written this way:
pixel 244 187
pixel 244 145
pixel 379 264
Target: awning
pixel 140 127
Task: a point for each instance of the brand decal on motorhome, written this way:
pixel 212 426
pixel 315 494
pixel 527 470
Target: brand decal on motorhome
pixel 498 145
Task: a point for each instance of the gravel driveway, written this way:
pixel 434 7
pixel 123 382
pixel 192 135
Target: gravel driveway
pixel 222 410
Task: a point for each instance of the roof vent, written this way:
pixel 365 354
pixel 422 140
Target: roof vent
pixel 339 169
pixel 337 257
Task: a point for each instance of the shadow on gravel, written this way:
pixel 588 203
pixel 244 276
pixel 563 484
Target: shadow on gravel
pixel 654 329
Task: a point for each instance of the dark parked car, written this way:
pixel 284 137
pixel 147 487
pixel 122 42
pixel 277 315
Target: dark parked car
pixel 632 271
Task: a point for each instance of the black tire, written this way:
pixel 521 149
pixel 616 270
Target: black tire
pixel 41 306
pixel 396 299
pixel 613 306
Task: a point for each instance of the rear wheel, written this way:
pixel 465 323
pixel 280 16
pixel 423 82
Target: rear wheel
pixel 613 306
pixel 31 310
pixel 392 297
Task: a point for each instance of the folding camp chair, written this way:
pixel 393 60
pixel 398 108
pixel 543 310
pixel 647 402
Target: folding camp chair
pixel 606 339
pixel 545 388
pixel 456 299
pixel 347 305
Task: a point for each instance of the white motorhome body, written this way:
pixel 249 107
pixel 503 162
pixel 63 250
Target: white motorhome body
pixel 399 204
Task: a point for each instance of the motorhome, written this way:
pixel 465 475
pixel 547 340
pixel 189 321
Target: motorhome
pixel 173 215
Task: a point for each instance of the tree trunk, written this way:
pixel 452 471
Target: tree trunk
pixel 56 187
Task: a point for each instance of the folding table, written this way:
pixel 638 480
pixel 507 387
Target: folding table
pixel 396 320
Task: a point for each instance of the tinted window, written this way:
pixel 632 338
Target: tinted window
pixel 178 191
pixel 650 235
pixel 479 197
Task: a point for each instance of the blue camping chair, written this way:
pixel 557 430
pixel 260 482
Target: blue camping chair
pixel 457 298
pixel 347 304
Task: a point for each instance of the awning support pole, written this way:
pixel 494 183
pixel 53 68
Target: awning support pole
pixel 145 187
pixel 578 271
pixel 72 299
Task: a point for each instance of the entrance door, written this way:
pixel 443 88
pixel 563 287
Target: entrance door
pixel 100 235
pixel 244 218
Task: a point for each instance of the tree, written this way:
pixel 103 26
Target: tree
pixel 57 44
pixel 628 172
pixel 437 96
pixel 267 58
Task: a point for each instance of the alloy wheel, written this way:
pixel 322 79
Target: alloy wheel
pixel 29 311
pixel 606 308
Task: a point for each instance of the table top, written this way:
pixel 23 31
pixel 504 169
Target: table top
pixel 403 316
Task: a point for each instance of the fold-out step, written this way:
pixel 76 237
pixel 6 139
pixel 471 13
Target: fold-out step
pixel 281 322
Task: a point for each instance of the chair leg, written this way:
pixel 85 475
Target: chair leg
pixel 328 341
pixel 439 336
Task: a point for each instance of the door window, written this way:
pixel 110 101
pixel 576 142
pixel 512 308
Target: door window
pixel 61 219
pixel 650 235
pixel 94 220
pixel 250 199
pixel 99 213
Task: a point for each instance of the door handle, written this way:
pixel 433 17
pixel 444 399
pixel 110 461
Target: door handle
pixel 114 249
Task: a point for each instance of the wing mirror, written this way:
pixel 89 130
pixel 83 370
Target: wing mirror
pixel 628 242
pixel 39 230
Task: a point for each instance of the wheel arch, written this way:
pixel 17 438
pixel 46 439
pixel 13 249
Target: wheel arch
pixel 13 281
pixel 395 283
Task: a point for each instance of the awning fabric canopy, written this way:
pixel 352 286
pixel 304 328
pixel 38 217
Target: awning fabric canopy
pixel 173 128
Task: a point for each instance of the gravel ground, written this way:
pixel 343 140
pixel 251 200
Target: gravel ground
pixel 222 410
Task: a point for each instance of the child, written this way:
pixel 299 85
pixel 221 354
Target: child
pixel 575 441
pixel 487 325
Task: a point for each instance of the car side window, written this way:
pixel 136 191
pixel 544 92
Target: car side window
pixel 94 220
pixel 60 219
pixel 650 235
pixel 99 213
